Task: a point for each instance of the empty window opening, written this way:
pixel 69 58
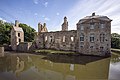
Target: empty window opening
pixel 18 34
pixel 72 39
pixel 63 38
pixel 45 38
pixel 19 40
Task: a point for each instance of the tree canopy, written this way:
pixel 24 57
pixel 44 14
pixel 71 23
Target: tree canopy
pixel 5 29
pixel 115 40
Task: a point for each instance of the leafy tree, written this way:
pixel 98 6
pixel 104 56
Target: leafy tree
pixel 115 40
pixel 29 33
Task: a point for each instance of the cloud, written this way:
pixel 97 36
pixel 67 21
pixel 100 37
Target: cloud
pixel 57 13
pixel 35 14
pixel 3 19
pixel 46 19
pixel 35 1
pixel 45 4
pixel 110 8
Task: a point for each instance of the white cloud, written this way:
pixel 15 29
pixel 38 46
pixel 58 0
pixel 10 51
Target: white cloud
pixel 3 19
pixel 45 4
pixel 35 14
pixel 57 13
pixel 46 19
pixel 110 8
pixel 35 1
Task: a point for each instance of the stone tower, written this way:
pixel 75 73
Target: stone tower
pixel 17 35
pixel 42 28
pixel 39 27
pixel 65 24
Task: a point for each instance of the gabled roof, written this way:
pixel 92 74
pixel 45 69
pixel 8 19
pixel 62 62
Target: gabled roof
pixel 18 29
pixel 103 18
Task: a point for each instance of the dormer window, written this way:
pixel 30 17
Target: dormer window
pixel 82 28
pixel 102 24
pixel 91 25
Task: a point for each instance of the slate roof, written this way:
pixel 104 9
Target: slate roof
pixel 103 18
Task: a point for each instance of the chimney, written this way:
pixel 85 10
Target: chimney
pixel 16 23
pixel 93 14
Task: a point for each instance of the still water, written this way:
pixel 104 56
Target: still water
pixel 23 66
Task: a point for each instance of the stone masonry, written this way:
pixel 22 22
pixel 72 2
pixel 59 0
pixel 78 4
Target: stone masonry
pixel 92 37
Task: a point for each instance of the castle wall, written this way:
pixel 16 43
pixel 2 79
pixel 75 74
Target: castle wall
pixel 60 40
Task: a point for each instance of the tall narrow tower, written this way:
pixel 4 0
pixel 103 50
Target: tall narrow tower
pixel 39 27
pixel 17 35
pixel 65 24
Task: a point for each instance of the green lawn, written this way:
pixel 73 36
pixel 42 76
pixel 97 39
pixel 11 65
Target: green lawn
pixel 53 51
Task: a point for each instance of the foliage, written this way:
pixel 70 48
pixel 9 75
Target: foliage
pixel 29 33
pixel 5 33
pixel 115 40
pixel 5 29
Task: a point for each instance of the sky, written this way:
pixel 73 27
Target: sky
pixel 52 12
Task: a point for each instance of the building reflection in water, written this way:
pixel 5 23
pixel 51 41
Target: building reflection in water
pixel 30 67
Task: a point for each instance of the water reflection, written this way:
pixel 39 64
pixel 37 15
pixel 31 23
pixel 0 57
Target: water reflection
pixel 115 58
pixel 114 73
pixel 36 67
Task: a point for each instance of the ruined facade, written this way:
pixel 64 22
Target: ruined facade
pixel 17 35
pixel 93 36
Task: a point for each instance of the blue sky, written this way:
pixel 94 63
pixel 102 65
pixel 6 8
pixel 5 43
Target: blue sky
pixel 52 12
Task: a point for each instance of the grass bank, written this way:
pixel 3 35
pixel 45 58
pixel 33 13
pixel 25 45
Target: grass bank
pixel 55 52
pixel 115 50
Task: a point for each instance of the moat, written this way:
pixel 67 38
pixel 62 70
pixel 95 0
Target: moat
pixel 24 66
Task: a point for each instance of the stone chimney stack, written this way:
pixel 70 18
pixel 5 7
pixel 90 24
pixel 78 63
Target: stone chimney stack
pixel 65 24
pixel 93 14
pixel 16 23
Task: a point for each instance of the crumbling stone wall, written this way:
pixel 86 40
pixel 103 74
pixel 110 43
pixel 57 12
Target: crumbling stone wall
pixel 60 40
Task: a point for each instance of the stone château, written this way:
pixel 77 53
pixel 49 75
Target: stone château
pixel 92 37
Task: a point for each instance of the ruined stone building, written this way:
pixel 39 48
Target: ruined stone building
pixel 17 35
pixel 93 36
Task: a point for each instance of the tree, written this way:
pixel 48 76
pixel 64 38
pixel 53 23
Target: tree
pixel 29 33
pixel 115 40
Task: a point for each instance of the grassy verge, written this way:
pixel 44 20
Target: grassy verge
pixel 54 51
pixel 115 50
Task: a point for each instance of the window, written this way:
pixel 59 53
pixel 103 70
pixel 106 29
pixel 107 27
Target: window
pixel 19 40
pixel 102 24
pixel 63 38
pixel 81 37
pixel 92 38
pixel 18 34
pixel 102 37
pixel 91 25
pixel 72 39
pixel 51 39
pixel 81 28
pixel 45 38
pixel 101 49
